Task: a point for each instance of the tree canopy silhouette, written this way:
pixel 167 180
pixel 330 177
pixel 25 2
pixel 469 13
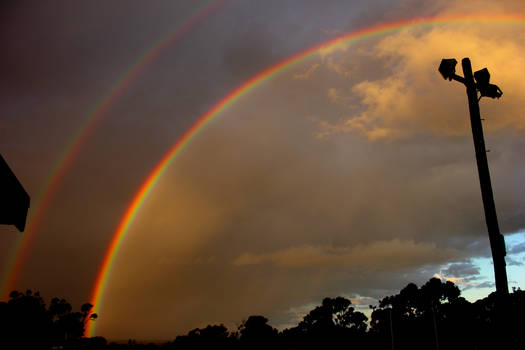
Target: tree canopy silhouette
pixel 26 323
pixel 433 316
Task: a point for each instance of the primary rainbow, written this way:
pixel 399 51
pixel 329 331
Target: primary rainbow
pixel 241 90
pixel 64 161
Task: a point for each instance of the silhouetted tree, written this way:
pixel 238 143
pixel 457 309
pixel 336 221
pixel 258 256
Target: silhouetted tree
pixel 499 320
pixel 93 343
pixel 256 333
pixel 211 337
pixel 25 322
pixel 336 312
pixel 419 317
pixel 329 324
pixel 28 324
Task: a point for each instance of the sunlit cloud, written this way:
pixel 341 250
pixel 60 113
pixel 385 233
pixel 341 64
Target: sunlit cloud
pixel 412 97
pixel 306 73
pixel 394 254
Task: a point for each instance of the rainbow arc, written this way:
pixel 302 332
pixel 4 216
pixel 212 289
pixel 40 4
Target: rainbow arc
pixel 258 79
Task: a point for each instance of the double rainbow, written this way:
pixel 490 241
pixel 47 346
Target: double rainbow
pixel 97 112
pixel 153 177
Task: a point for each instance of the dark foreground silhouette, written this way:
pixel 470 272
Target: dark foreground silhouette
pixel 14 202
pixel 26 322
pixel 434 316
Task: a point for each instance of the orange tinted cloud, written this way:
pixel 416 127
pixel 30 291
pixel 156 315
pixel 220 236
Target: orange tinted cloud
pixel 411 96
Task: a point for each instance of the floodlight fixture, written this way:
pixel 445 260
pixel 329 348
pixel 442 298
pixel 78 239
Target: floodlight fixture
pixel 447 68
pixel 482 78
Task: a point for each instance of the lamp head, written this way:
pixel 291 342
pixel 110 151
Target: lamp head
pixel 447 68
pixel 485 88
pixel 482 76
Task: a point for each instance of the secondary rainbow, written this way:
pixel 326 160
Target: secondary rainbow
pixel 241 90
pixel 98 111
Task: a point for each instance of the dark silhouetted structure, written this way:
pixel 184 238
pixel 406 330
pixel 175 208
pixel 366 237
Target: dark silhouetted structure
pixel 447 69
pixel 14 201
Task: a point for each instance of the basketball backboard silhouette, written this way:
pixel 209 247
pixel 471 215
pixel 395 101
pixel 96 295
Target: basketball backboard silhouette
pixel 14 200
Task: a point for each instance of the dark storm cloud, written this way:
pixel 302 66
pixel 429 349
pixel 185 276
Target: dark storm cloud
pixel 464 270
pixel 486 284
pixel 513 262
pixel 58 46
pixel 518 248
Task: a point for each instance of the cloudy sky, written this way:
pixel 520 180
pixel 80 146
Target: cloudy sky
pixel 349 173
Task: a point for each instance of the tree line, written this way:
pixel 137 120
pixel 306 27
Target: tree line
pixel 433 316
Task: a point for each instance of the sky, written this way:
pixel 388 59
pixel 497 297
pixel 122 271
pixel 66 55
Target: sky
pixel 351 172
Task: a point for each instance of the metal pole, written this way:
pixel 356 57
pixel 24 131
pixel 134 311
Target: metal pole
pixel 435 327
pixel 391 329
pixel 496 239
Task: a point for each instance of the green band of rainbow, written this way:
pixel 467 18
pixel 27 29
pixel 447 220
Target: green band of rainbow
pixel 243 89
pixel 98 111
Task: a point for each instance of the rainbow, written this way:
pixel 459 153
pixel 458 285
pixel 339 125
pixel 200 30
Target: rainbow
pixel 97 112
pixel 153 177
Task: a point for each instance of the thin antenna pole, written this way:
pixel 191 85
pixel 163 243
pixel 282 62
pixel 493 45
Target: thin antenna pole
pixel 391 329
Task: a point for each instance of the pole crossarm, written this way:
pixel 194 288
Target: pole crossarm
pixel 458 78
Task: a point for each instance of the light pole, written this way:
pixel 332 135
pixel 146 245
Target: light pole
pixel 447 68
